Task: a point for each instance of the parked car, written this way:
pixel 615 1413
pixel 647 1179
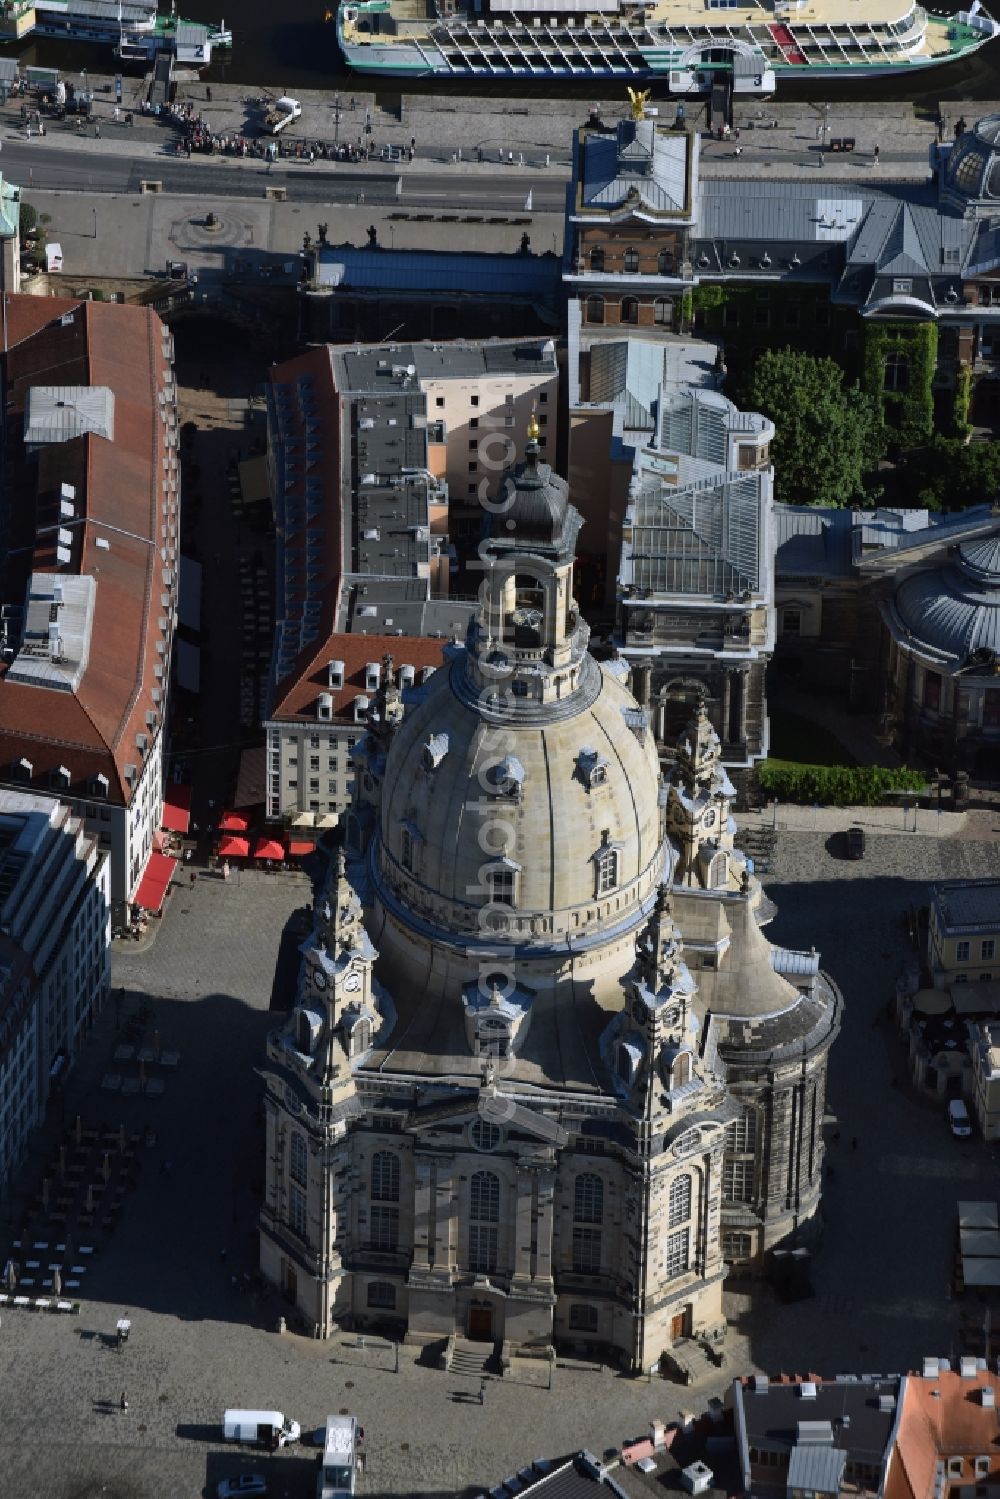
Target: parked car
pixel 243 1484
pixel 855 843
pixel 958 1119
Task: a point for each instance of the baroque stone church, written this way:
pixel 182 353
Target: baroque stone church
pixel 545 1081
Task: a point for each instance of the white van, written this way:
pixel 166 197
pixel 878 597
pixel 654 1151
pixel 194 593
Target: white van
pixel 269 1428
pixel 958 1119
pixel 338 1468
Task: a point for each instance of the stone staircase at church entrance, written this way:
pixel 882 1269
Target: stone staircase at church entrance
pixel 473 1359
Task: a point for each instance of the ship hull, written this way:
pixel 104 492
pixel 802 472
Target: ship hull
pixel 426 60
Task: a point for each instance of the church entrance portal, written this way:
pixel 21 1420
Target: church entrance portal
pixel 481 1322
pixel 679 1327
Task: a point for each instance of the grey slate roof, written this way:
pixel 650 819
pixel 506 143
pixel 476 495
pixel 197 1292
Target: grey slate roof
pixel 638 158
pixel 812 542
pixel 955 609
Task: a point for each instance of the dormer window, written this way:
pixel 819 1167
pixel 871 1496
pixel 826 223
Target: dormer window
pixel 61 778
pixel 335 674
pixel 324 707
pixel 506 777
pixel 373 676
pixel 22 770
pixel 100 786
pixel 591 769
pixel 434 751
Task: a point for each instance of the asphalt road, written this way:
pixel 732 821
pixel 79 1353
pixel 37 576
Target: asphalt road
pixel 60 169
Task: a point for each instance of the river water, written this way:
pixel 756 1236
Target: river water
pixel 288 46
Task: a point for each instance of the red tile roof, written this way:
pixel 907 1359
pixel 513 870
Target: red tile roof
pixel 944 1417
pixel 119 494
pixel 299 699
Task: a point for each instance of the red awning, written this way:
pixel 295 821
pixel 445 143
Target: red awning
pixel 299 849
pixel 234 822
pixel 234 848
pixel 268 848
pixel 176 807
pixel 153 885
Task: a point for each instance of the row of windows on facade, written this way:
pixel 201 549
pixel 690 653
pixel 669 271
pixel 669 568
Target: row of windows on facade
pixel 628 310
pixel 987 951
pixel 484 1212
pixel 540 396
pixel 598 260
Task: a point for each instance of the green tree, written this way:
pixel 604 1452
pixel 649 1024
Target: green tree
pixel 950 474
pixel 27 218
pixel 826 434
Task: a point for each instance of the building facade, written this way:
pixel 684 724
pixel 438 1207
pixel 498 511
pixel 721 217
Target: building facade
pixel 55 956
pixel 501 1107
pixel 963 937
pixel 375 455
pixel 90 578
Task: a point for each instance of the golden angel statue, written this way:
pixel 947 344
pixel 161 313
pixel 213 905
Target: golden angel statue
pixel 639 98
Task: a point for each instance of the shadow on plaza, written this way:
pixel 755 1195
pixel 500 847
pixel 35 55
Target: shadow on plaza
pixel 185 1239
pixel 893 1174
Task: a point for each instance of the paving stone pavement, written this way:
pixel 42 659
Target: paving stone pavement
pixel 198 1344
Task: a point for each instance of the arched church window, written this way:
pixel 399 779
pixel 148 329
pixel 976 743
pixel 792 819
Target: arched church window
pixel 588 1198
pixel 361 1037
pixel 385 1176
pixel 741 1133
pixel 717 872
pixel 298 1159
pixel 680 1072
pixel 630 310
pixel 484 1215
pixel 679 1205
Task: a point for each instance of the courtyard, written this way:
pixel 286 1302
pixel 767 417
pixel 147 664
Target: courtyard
pixel 180 1262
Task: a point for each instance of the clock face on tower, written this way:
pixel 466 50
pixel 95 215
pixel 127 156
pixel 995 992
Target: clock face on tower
pixel 352 983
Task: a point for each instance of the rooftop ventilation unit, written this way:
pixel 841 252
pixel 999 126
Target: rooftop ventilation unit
pixel 988 1396
pixel 967 1367
pixel 807 1390
pixel 886 1403
pixel 759 1384
pixel 931 1368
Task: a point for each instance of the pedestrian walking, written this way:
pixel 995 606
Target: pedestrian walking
pixel 875 154
pixel 738 151
pixel 123 1402
pixel 97 129
pixel 854 1142
pixel 482 1392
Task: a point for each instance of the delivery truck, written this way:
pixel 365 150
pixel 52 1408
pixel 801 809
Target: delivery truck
pixel 264 1428
pixel 339 1463
pixel 284 111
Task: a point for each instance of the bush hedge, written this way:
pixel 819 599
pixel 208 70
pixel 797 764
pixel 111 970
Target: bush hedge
pixel 835 785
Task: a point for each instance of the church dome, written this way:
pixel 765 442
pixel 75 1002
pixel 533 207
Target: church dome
pixel 972 172
pixel 951 612
pixel 554 812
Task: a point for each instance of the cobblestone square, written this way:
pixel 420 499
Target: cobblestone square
pixel 199 1344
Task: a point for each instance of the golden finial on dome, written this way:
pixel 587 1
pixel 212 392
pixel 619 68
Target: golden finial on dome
pixel 534 431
